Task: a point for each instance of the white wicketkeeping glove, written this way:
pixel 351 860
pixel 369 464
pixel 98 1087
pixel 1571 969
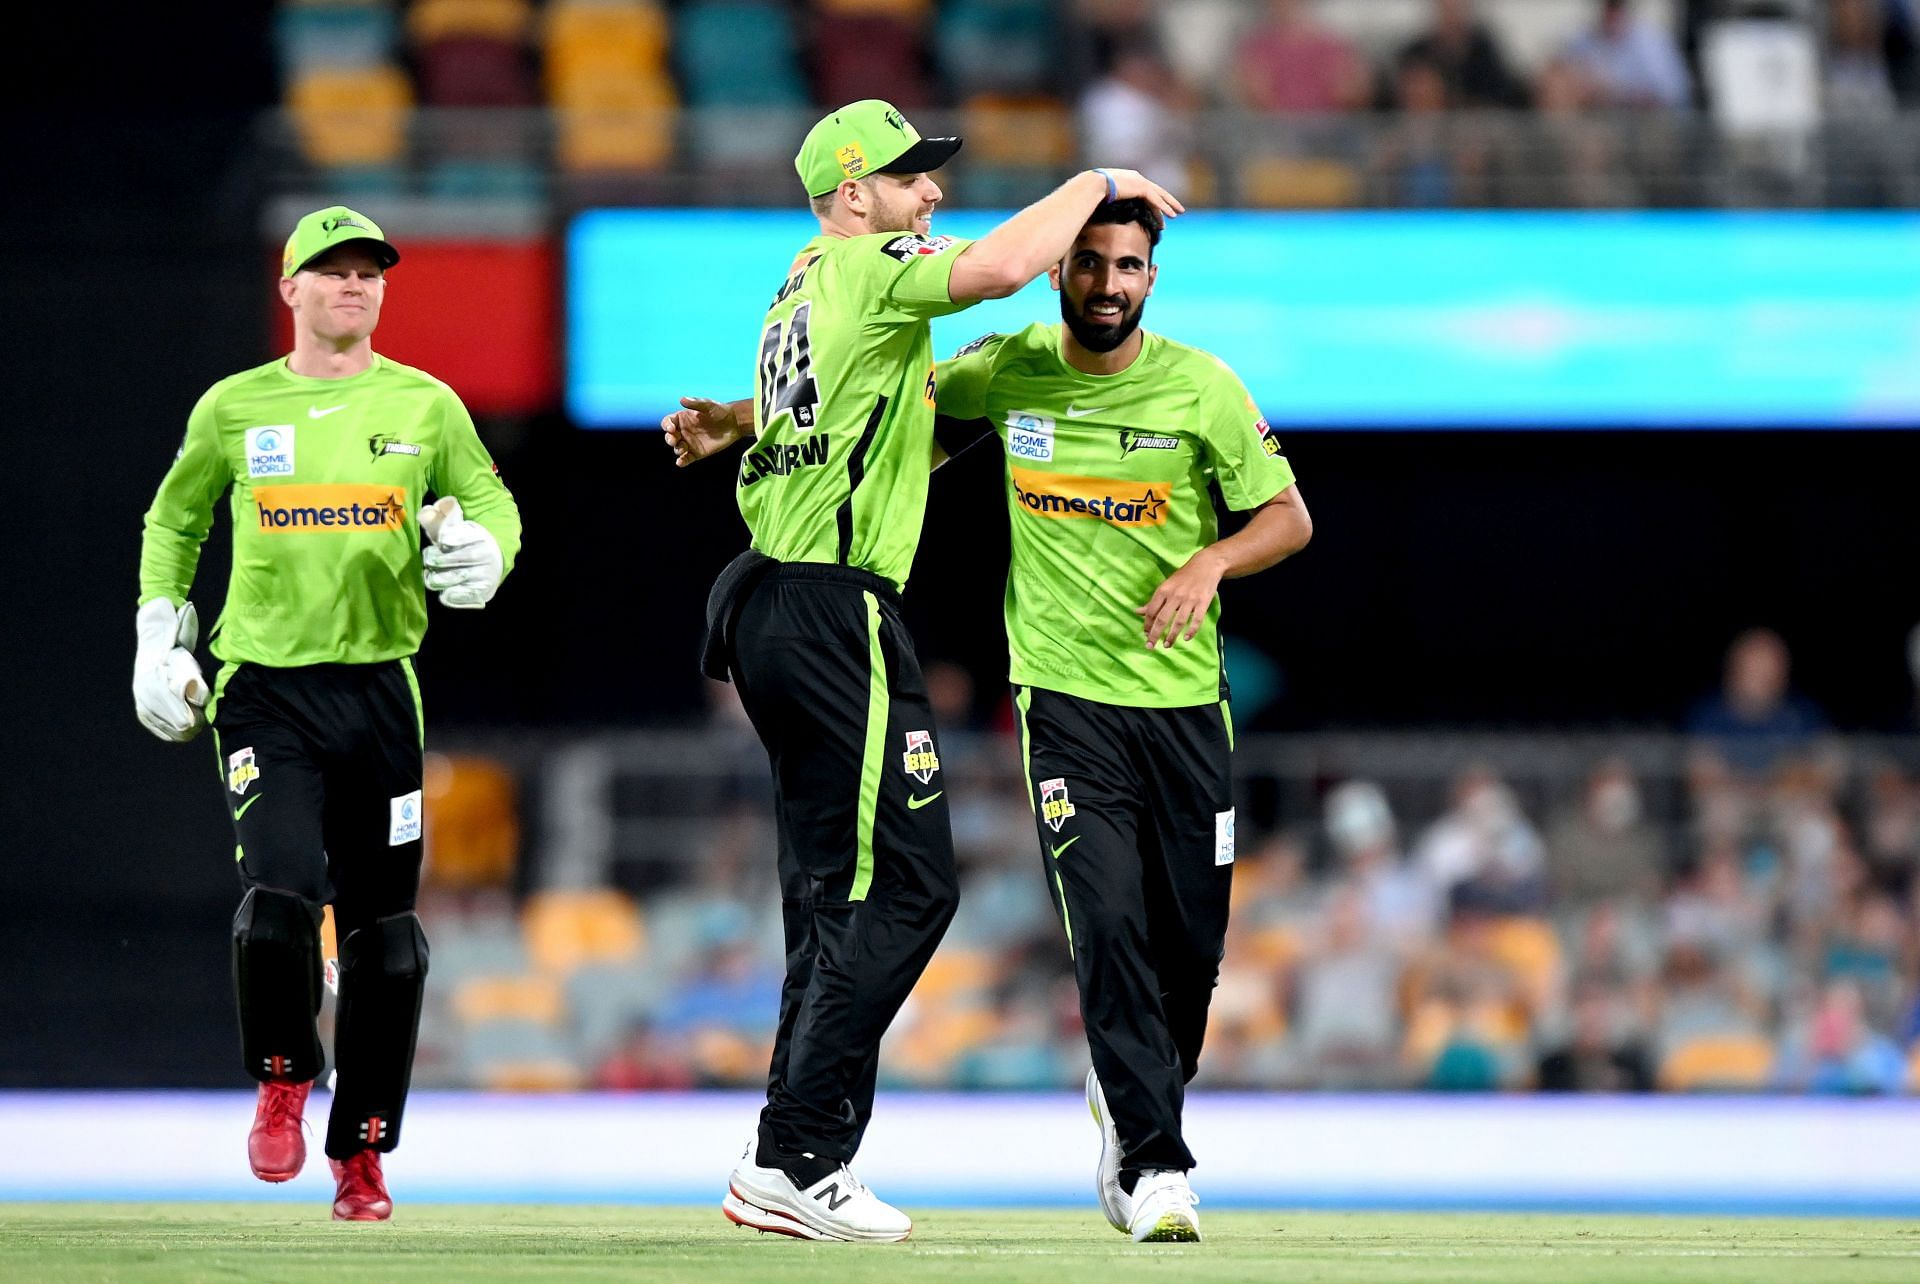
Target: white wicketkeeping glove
pixel 464 565
pixel 169 692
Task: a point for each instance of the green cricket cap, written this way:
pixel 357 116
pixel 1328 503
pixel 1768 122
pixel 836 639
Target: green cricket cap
pixel 867 137
pixel 323 229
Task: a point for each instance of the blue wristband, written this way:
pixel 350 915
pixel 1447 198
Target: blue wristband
pixel 1112 191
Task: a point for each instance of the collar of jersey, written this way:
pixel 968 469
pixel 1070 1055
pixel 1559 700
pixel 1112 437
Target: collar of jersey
pixel 314 381
pixel 1059 330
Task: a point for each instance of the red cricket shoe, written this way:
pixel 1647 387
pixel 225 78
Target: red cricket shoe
pixel 276 1147
pixel 361 1194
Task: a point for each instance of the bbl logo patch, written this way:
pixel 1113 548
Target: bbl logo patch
pixel 1268 442
pixel 241 770
pixel 1055 807
pixel 921 760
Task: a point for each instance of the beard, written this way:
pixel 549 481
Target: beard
pixel 1095 337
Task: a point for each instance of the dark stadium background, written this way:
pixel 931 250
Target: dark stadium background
pixel 1505 579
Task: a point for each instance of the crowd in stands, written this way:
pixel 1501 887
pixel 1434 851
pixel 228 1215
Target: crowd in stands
pixel 1040 85
pixel 1748 922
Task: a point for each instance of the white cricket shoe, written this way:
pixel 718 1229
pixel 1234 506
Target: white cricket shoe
pixel 835 1207
pixel 1106 1174
pixel 1163 1208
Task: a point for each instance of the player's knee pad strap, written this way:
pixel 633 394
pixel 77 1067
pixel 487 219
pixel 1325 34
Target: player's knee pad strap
pixel 383 972
pixel 276 983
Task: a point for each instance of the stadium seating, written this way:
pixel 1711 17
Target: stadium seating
pixel 566 930
pixel 1718 1063
pixel 473 836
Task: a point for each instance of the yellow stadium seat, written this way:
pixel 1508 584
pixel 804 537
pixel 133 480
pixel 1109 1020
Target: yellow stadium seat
pixel 630 39
pixel 567 930
pixel 952 972
pixel 473 822
pixel 503 20
pixel 1718 1062
pixel 615 125
pixel 494 998
pixel 1285 182
pixel 1530 949
pixel 911 10
pixel 351 117
pixel 542 1075
pixel 1028 132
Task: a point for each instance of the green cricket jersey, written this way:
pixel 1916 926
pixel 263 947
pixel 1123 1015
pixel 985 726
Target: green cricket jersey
pixel 1107 488
pixel 328 479
pixel 843 402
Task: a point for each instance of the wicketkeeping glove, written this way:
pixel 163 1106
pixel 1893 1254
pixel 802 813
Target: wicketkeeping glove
pixel 464 564
pixel 169 692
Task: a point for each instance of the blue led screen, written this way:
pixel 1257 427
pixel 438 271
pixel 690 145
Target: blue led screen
pixel 1361 320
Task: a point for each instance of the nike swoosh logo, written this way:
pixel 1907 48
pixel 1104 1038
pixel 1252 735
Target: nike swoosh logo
pixel 915 802
pixel 241 810
pixel 314 412
pixel 1063 846
pixel 1082 414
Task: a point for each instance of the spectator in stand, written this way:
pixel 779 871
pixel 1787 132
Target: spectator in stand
pixel 1604 848
pixel 643 1062
pixel 1290 63
pixel 1892 830
pixel 1600 1054
pixel 1136 115
pixel 1839 1052
pixel 1402 906
pixel 1467 57
pixel 1348 987
pixel 1484 849
pixel 1425 159
pixel 1756 721
pixel 1858 83
pixel 1631 61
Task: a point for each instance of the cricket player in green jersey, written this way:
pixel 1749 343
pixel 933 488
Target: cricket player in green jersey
pixel 1115 439
pixel 807 625
pixel 330 453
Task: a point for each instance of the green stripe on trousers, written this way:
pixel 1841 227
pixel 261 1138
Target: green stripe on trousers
pixel 874 759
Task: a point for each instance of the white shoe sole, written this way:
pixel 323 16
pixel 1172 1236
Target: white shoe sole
pixel 1106 1183
pixel 753 1217
pixel 744 1210
pixel 1174 1227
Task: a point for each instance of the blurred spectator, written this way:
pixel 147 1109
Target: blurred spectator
pixel 1755 720
pixel 1464 53
pixel 1867 947
pixel 1347 1025
pixel 1892 830
pixel 644 1062
pixel 1839 1052
pixel 1484 849
pixel 1700 997
pixel 1599 1054
pixel 1469 1016
pixel 1605 847
pixel 1858 84
pixel 1290 63
pixel 1425 159
pixel 1401 904
pixel 1631 61
pixel 1135 116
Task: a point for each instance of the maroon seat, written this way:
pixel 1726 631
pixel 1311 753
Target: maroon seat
pixel 868 56
pixel 474 71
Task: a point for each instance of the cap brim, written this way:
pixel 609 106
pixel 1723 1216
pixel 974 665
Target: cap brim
pixel 923 157
pixel 383 253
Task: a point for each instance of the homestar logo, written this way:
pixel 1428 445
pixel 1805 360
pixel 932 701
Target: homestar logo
pixel 304 509
pixel 1117 503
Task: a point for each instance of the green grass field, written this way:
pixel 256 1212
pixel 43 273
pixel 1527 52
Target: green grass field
pixel 248 1242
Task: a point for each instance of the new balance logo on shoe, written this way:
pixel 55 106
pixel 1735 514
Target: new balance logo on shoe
pixel 833 1196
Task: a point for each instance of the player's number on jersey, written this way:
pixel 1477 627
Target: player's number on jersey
pixel 786 372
